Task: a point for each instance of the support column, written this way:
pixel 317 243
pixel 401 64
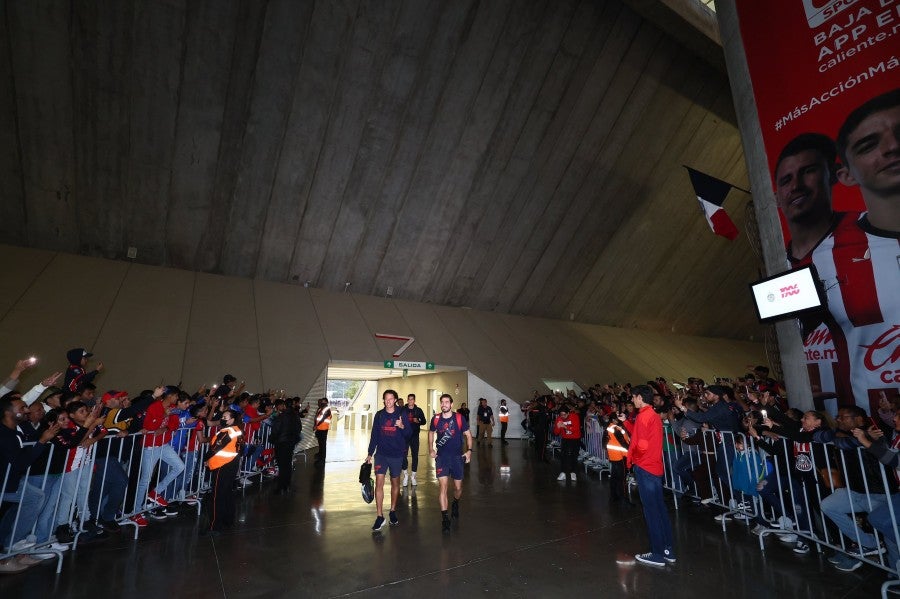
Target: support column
pixel 790 342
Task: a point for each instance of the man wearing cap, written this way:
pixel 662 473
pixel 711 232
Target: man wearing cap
pixel 33 394
pixel 50 398
pixel 157 436
pixel 228 387
pixel 110 480
pixel 77 373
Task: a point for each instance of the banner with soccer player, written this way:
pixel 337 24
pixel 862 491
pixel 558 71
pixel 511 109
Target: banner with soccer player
pixel 825 78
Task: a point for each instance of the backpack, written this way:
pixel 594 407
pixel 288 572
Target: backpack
pixel 437 418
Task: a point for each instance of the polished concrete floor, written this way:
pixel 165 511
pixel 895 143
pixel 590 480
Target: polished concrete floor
pixel 521 534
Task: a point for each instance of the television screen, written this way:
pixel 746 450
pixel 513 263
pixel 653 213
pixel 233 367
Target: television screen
pixel 787 295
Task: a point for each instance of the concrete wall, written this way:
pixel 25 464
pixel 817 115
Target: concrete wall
pixel 150 324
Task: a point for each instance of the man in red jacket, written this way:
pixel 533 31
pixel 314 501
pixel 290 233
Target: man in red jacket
pixel 568 427
pixel 645 455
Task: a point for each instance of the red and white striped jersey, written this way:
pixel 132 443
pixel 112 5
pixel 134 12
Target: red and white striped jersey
pixel 860 269
pixel 818 344
pixel 821 359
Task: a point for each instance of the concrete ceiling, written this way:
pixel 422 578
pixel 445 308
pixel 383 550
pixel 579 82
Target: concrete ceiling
pixel 522 156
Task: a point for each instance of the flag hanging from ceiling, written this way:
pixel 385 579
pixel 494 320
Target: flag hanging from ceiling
pixel 711 193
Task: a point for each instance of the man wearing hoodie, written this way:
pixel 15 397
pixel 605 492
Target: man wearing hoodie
pixel 77 373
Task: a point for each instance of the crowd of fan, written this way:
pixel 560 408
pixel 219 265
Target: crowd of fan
pixel 737 444
pixel 75 467
pixel 734 444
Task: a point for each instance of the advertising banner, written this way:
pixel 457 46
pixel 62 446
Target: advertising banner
pixel 826 79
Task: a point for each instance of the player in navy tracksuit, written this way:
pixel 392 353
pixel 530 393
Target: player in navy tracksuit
pixel 445 437
pixel 388 444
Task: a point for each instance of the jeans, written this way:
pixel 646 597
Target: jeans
pixel 46 519
pixel 655 513
pixel 724 460
pixel 108 488
pixel 75 487
pixel 880 519
pixel 795 503
pixel 177 489
pixel 684 468
pixel 151 456
pixel 838 505
pixel 30 500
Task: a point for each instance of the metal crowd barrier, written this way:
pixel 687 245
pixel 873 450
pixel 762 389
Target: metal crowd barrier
pixel 759 484
pixel 113 478
pixel 594 456
pixel 258 455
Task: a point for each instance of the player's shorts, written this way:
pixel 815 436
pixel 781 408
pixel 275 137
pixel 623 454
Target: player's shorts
pixel 450 465
pixel 386 465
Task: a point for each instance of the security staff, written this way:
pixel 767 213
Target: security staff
pixel 323 423
pixel 223 461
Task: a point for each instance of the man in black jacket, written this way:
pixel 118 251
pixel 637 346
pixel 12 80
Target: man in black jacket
pixel 15 459
pixel 416 419
pixel 285 434
pixel 865 490
pixel 887 452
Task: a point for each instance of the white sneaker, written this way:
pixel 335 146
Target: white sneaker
pixel 790 539
pixel 572 476
pixel 27 543
pixel 562 476
pixel 404 480
pixel 412 480
pixel 43 556
pixel 708 500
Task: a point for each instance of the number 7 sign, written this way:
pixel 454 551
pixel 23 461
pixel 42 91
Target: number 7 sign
pixel 403 348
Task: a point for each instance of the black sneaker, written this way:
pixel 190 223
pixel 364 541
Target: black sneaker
pixel 93 529
pixel 170 512
pixel 454 509
pixel 650 559
pixel 156 514
pixel 379 523
pixel 109 525
pixel 64 534
pixel 393 517
pixel 445 524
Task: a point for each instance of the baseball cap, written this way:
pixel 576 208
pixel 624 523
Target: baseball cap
pixel 75 355
pixel 113 394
